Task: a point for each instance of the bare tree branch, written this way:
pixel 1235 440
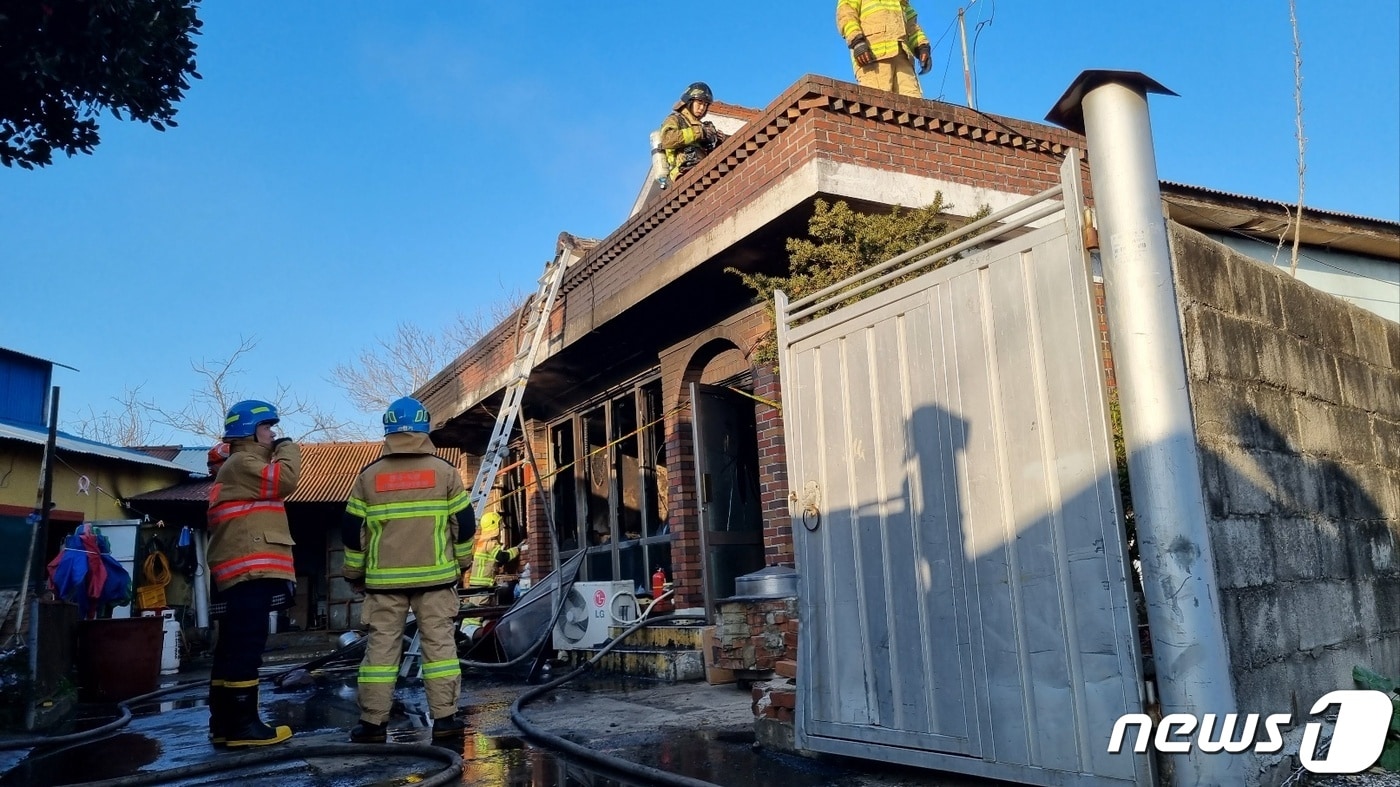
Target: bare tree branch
pixel 132 422
pixel 1302 141
pixel 402 363
pixel 126 425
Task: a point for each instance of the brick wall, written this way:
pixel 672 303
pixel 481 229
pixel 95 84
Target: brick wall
pixel 756 634
pixel 1296 400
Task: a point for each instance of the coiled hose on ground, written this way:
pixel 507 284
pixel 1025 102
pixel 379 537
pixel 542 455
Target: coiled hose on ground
pixel 653 775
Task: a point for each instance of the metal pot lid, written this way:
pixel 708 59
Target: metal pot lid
pixel 770 571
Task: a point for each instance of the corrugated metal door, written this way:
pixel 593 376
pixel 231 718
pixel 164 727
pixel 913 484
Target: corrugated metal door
pixel 964 594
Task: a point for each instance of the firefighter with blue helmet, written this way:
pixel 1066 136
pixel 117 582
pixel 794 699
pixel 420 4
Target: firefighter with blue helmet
pixel 250 560
pixel 408 534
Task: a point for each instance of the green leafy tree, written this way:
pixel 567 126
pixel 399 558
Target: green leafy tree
pixel 63 61
pixel 842 243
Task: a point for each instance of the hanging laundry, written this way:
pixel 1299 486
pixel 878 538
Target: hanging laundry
pixel 86 574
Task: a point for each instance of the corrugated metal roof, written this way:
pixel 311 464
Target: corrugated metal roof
pixel 328 471
pixel 1172 185
pixel 166 452
pixel 35 358
pixel 79 445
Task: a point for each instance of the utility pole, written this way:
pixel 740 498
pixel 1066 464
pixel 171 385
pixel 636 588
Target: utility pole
pixel 967 70
pixel 41 528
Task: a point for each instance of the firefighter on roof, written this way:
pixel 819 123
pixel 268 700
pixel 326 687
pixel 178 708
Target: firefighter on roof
pixel 408 534
pixel 885 40
pixel 686 137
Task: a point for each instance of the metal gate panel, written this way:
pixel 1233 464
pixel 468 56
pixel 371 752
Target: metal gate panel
pixel 964 590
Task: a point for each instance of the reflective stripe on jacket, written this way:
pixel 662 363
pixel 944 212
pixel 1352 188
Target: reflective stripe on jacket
pixel 249 537
pixel 682 140
pixel 401 528
pixel 889 26
pixel 484 562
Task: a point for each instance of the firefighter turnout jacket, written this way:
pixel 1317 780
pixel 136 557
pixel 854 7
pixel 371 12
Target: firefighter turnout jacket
pixel 249 537
pixel 888 25
pixel 409 521
pixel 683 141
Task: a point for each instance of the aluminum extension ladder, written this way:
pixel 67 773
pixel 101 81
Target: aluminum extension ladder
pixel 536 326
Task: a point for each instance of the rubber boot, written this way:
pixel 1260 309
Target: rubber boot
pixel 364 732
pixel 448 726
pixel 244 727
pixel 218 713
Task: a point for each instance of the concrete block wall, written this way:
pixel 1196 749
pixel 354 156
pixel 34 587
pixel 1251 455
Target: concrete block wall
pixel 1296 399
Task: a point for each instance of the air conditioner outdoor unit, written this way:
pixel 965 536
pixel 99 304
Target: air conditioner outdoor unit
pixel 589 609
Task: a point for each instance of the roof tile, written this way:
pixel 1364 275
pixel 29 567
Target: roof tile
pixel 328 471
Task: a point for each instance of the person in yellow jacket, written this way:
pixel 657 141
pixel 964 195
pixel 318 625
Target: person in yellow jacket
pixel 686 137
pixel 488 555
pixel 250 559
pixel 408 531
pixel 885 39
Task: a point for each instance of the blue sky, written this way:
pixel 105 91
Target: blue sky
pixel 343 167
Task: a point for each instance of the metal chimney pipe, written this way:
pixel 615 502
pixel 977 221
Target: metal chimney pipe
pixel 1178 566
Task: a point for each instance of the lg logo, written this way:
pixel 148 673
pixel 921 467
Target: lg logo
pixel 1363 717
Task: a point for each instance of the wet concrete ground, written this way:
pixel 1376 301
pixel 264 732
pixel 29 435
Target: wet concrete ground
pixel 696 730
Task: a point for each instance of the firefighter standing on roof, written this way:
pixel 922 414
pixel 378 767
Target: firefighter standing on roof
pixel 408 534
pixel 250 558
pixel 885 40
pixel 686 137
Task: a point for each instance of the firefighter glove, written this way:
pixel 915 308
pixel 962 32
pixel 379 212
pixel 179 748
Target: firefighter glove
pixel 503 556
pixel 861 49
pixel 712 135
pixel 924 55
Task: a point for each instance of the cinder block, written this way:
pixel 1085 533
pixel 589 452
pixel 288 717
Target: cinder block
pixel 1249 485
pixel 1303 309
pixel 1297 549
pixel 1354 379
pixel 1319 433
pixel 1271 421
pixel 1385 383
pixel 1254 626
pixel 1369 331
pixel 1217 405
pixel 1323 613
pixel 1269 356
pixel 1242 557
pixel 1203 270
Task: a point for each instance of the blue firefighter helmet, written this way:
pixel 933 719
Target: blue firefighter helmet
pixel 406 415
pixel 243 418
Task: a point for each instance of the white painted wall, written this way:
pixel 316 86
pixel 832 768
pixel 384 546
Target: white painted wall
pixel 1371 283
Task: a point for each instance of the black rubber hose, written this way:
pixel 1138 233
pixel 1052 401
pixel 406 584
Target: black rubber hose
pixel 652 775
pixel 252 759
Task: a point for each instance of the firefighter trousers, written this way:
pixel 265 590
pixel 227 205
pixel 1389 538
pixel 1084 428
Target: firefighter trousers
pixel 384 615
pixel 895 74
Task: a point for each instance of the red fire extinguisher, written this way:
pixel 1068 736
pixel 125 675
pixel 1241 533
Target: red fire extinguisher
pixel 658 585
